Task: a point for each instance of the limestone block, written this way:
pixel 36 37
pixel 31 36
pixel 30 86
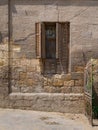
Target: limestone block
pixel 79 82
pixel 49 81
pixel 27 89
pixel 16 48
pixel 66 77
pixel 4 90
pixel 66 90
pixel 31 68
pixel 30 82
pixel 38 68
pixel 49 89
pixel 45 82
pixel 15 88
pixel 21 82
pixel 69 83
pixel 77 75
pixel 1 63
pixel 29 75
pixel 18 103
pixel 23 75
pixel 79 69
pixel 58 82
pixel 77 89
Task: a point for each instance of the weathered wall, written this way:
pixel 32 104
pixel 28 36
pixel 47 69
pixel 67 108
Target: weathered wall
pixel 26 69
pixel 80 14
pixel 70 103
pixel 3 50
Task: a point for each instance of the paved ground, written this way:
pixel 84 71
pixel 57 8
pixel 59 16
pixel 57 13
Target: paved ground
pixel 32 120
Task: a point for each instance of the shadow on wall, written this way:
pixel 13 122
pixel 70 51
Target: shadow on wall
pixel 4 80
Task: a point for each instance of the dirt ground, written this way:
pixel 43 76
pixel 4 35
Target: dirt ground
pixel 12 119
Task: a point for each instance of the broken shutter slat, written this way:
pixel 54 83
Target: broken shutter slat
pixel 38 39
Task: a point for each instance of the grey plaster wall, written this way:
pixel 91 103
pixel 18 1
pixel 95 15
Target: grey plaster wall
pixel 82 16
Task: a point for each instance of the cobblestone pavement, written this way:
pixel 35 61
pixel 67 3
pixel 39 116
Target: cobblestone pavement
pixel 32 120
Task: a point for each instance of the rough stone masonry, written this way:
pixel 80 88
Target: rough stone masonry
pixel 22 84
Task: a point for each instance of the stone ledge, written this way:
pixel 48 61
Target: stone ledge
pixel 54 102
pixel 32 94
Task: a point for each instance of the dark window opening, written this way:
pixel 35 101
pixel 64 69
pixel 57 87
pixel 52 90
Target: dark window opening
pixel 50 41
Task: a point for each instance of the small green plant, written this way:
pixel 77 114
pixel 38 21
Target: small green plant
pixel 94 107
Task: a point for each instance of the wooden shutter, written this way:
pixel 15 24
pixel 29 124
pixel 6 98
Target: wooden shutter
pixel 38 39
pixel 43 47
pixel 67 37
pixel 58 37
pixel 62 44
pixel 65 46
pixel 67 26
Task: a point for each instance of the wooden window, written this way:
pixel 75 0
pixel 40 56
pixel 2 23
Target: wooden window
pixel 52 42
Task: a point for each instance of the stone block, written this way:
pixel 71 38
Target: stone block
pixel 77 75
pixel 45 83
pixel 58 82
pixel 30 82
pixel 52 89
pixel 1 63
pixel 15 88
pixel 77 89
pixel 66 77
pixel 18 103
pixel 49 89
pixel 23 75
pixel 15 76
pixel 4 90
pixel 66 90
pixel 21 82
pixel 69 83
pixel 79 69
pixel 31 69
pixel 29 75
pixel 49 81
pixel 79 82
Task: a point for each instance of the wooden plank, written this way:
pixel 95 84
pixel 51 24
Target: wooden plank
pixel 43 48
pixel 58 28
pixel 38 39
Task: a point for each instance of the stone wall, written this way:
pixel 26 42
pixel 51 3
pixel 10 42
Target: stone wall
pixel 3 50
pixel 70 103
pixel 26 76
pixel 24 15
pixel 68 83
